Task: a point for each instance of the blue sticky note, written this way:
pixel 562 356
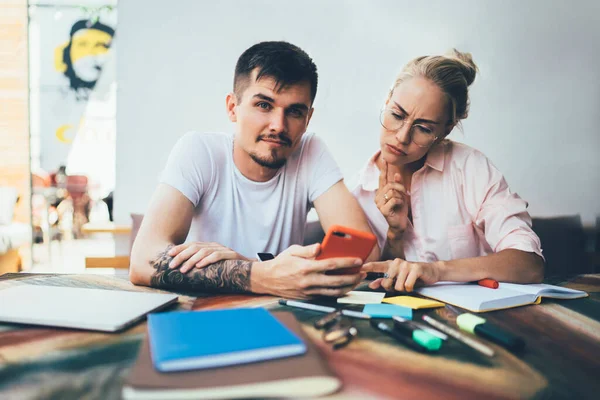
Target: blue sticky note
pixel 387 311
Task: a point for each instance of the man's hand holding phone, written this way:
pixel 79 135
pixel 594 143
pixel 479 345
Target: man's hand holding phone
pixel 296 273
pixel 329 269
pixel 341 241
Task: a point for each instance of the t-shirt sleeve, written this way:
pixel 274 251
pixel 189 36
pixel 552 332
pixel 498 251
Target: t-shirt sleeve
pixel 323 171
pixel 189 167
pixel 501 213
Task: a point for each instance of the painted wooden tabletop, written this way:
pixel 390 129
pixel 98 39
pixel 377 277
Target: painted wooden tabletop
pixel 561 360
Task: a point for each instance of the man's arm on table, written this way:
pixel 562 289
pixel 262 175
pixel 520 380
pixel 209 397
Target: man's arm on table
pixel 337 206
pixel 167 223
pixel 293 273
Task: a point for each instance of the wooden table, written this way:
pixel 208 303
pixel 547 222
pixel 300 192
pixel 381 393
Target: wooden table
pixel 105 227
pixel 121 234
pixel 562 359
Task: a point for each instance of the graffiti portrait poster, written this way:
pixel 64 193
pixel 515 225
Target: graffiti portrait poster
pixel 72 80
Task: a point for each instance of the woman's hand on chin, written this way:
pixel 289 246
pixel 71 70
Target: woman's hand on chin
pixel 393 202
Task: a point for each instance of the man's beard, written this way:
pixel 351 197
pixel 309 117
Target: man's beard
pixel 272 162
pixel 269 162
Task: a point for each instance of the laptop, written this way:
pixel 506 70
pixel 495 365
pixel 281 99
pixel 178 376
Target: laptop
pixel 79 308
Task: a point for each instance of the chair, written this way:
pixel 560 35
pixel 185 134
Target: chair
pixel 120 261
pixel 77 187
pixel 44 213
pixel 313 233
pixel 595 256
pixel 13 235
pixel 563 242
pixel 117 261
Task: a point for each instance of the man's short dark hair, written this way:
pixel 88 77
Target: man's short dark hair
pixel 285 63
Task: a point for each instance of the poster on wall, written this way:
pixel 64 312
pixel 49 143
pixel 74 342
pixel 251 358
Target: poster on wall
pixel 73 88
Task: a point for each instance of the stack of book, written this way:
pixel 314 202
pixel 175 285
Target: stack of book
pixel 235 353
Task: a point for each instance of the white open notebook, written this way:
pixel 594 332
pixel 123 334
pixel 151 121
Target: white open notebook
pixel 477 298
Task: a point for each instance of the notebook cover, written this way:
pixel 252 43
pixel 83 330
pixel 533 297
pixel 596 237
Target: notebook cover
pixel 475 298
pixel 144 378
pixel 217 338
pixel 79 308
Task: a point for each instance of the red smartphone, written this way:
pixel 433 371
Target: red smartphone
pixel 341 241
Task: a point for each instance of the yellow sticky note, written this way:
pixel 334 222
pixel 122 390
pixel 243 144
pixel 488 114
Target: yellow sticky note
pixel 413 302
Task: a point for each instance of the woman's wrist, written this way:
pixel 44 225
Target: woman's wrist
pixel 395 235
pixel 394 245
pixel 442 270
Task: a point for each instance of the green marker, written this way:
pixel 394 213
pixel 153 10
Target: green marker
pixel 423 338
pixel 479 326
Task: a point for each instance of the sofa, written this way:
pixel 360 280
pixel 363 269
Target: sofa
pixel 13 235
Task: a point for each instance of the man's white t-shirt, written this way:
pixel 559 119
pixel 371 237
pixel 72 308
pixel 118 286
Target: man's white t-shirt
pixel 247 216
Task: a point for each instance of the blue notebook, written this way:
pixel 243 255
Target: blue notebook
pixel 186 340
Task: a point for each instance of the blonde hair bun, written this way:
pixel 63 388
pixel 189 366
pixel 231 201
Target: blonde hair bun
pixel 453 73
pixel 467 65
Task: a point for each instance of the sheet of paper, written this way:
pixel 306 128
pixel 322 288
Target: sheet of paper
pixel 358 297
pixel 387 311
pixel 413 302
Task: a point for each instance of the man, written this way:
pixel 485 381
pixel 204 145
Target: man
pixel 234 196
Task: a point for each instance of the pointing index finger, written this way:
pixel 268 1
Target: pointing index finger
pixel 376 266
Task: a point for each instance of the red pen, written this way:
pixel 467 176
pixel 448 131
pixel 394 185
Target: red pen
pixel 489 283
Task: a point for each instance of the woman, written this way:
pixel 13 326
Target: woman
pixel 440 209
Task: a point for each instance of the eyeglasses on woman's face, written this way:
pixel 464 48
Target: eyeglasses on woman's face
pixel 393 121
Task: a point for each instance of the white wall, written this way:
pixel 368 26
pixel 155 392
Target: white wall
pixel 535 106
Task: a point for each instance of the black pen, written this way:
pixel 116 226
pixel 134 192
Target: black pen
pixel 324 309
pixel 374 275
pixel 385 328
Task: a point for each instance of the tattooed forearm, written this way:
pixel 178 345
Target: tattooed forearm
pixel 232 276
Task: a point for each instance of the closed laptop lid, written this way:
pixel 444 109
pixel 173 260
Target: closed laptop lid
pixel 79 308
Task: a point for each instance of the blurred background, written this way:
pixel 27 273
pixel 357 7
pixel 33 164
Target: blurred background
pixel 95 93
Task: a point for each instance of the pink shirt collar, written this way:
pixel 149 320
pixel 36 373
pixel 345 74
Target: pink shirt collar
pixel 369 175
